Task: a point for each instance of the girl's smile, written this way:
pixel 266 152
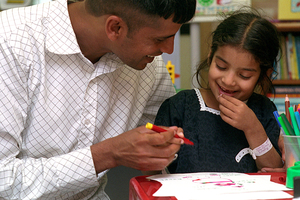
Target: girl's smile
pixel 233 72
pixel 223 90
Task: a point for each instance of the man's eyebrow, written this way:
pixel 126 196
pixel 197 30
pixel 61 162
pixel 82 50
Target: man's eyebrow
pixel 170 36
pixel 166 37
pixel 246 69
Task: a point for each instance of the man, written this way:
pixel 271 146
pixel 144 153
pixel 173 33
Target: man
pixel 78 83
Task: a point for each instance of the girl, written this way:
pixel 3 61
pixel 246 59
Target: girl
pixel 233 127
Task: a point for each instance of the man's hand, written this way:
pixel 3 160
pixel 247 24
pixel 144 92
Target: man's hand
pixel 140 148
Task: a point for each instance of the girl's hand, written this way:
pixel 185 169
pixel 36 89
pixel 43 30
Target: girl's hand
pixel 237 113
pixel 282 150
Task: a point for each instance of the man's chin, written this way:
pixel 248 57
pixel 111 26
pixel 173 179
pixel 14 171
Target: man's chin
pixel 140 66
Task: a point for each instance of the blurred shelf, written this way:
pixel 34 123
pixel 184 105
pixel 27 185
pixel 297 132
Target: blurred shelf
pixel 288 26
pixel 286 82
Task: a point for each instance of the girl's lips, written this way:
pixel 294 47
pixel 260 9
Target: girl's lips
pixel 226 92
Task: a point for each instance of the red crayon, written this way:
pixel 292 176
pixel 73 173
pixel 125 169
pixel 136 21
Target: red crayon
pixel 287 105
pixel 159 130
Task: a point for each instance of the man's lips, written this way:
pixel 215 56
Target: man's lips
pixel 149 56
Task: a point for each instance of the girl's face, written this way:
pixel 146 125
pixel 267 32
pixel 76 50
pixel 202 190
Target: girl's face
pixel 233 72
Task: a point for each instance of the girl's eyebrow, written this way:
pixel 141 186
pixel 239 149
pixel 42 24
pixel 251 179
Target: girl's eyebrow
pixel 246 69
pixel 249 69
pixel 220 58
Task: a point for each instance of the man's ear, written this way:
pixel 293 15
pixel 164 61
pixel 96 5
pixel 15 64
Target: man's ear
pixel 115 27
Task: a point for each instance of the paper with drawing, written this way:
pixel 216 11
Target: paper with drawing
pixel 192 186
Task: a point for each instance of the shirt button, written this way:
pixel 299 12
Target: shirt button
pixel 87 122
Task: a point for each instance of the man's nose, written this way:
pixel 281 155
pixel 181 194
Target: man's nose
pixel 168 45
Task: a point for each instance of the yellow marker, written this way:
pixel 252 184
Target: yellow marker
pixel 159 130
pixel 149 126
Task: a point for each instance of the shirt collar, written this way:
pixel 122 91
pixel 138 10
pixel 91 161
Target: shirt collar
pixel 61 38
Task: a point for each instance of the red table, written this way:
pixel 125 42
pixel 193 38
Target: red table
pixel 141 188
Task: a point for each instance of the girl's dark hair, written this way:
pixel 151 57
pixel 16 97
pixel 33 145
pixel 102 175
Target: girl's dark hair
pixel 137 13
pixel 247 30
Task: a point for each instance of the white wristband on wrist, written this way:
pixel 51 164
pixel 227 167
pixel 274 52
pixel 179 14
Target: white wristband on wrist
pixel 258 151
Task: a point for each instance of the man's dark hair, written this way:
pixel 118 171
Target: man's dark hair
pixel 137 13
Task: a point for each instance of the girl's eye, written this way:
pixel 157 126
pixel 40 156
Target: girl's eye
pixel 245 77
pixel 221 68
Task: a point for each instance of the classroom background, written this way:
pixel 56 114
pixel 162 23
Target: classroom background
pixel 191 46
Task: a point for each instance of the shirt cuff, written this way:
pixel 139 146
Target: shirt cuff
pixel 76 170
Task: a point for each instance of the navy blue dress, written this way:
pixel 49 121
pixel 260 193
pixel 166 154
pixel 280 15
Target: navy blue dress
pixel 216 142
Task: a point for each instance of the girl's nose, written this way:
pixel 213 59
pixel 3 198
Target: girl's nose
pixel 229 79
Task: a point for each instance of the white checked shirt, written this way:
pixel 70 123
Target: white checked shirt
pixel 54 104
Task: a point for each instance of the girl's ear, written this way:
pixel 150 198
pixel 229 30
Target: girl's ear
pixel 208 58
pixel 115 27
pixel 209 54
pixel 269 72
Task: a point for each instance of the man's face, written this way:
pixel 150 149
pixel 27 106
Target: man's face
pixel 139 48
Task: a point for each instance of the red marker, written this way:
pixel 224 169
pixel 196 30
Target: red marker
pixel 287 105
pixel 159 130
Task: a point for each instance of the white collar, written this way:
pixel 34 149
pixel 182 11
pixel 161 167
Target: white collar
pixel 62 31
